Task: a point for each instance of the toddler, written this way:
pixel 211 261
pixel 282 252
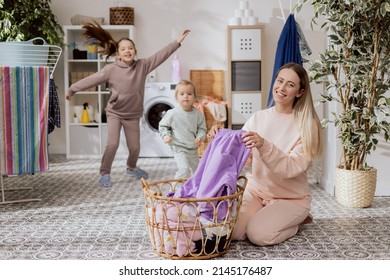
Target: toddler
pixel 184 128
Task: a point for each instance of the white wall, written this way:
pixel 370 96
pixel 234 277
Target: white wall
pixel 380 159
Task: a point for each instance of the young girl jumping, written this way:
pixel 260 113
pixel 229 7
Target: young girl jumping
pixel 126 79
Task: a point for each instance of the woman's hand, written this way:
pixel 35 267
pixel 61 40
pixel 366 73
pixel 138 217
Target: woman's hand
pixel 252 140
pixel 183 35
pixel 213 131
pixel 68 97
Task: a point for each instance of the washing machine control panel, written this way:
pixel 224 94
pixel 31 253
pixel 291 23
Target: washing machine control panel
pixel 160 87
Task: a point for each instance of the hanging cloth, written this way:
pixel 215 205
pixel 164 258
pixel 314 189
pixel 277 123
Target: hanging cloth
pixel 287 51
pixel 54 108
pixel 23 119
pixel 303 45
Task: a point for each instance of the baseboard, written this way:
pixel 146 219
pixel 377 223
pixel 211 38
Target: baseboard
pixel 327 185
pixel 382 189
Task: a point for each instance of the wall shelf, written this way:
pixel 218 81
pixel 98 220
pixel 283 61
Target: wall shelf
pixel 245 86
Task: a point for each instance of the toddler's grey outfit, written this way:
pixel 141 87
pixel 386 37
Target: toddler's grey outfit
pixel 184 127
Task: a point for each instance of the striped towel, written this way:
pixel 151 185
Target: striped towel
pixel 23 119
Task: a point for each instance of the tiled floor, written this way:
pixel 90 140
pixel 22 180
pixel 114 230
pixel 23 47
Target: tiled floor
pixel 76 219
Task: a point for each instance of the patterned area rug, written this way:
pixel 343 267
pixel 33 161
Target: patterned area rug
pixel 77 219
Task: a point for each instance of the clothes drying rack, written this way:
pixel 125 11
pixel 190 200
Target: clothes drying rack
pixel 29 54
pixel 35 52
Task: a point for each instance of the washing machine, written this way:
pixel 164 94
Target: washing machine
pixel 159 98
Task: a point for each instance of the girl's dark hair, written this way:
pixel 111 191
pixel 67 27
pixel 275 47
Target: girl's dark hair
pixel 102 38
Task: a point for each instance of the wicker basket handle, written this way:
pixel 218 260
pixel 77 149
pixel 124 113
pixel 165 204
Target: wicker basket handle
pixel 146 188
pixel 245 181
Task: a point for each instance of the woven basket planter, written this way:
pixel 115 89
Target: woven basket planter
pixel 355 189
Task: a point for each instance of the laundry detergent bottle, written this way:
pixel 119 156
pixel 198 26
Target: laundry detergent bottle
pixel 176 70
pixel 84 115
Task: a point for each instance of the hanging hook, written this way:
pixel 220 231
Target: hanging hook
pixel 283 17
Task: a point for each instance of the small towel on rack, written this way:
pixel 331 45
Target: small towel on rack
pixel 23 119
pixel 54 108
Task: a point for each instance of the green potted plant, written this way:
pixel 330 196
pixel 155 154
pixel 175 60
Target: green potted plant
pixel 23 20
pixel 355 69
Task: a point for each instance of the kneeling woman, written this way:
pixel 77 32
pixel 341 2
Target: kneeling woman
pixel 284 140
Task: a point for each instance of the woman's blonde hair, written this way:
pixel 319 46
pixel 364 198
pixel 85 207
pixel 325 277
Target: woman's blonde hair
pixel 185 83
pixel 305 114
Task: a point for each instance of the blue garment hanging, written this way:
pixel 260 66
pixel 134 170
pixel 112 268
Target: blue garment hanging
pixel 287 51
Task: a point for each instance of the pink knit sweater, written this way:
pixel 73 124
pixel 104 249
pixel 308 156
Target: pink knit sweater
pixel 279 167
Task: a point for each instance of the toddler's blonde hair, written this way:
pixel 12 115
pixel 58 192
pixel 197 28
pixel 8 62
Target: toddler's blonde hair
pixel 185 83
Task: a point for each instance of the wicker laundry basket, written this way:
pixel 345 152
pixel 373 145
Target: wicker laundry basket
pixel 177 227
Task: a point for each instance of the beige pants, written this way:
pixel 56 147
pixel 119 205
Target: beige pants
pixel 132 134
pixel 268 222
pixel 186 160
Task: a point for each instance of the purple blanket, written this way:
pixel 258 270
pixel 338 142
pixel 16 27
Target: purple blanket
pixel 217 172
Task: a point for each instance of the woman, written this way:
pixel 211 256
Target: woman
pixel 284 140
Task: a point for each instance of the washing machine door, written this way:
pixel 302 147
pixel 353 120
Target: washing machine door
pixel 152 144
pixel 155 113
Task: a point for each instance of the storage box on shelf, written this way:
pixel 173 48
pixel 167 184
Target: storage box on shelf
pixel 122 15
pixel 245 86
pixel 77 76
pixel 87 140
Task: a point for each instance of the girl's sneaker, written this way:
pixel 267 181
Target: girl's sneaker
pixel 139 173
pixel 105 181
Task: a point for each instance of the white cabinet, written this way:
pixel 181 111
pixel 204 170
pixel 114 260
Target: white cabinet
pixel 87 140
pixel 245 86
